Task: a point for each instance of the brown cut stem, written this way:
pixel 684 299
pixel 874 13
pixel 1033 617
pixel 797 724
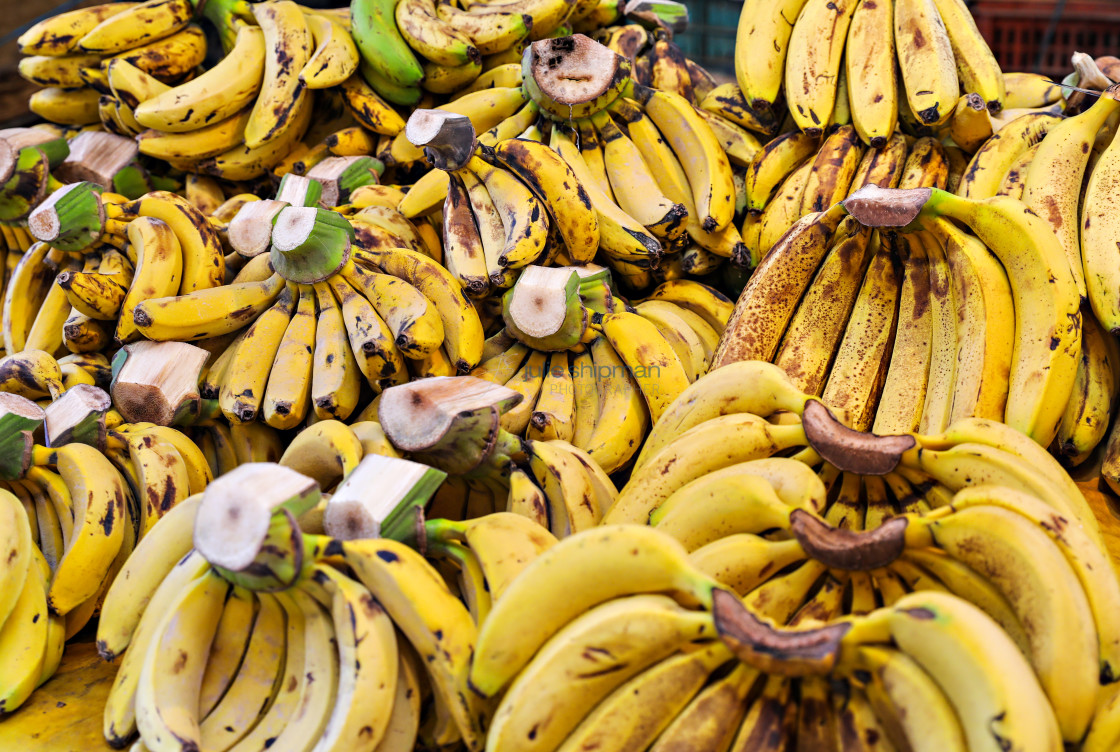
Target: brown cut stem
pixel 157 382
pixel 78 417
pixel 447 139
pixel 97 156
pixel 850 450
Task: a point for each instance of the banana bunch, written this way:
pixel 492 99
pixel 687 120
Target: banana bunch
pixel 70 53
pixel 373 654
pixel 922 361
pixel 795 174
pixel 31 637
pixel 872 66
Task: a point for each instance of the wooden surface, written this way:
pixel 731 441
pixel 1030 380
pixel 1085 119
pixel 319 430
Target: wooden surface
pixel 64 715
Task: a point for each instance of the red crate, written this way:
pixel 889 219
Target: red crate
pixel 1015 31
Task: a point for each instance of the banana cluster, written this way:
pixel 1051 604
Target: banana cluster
pixel 872 66
pixel 912 344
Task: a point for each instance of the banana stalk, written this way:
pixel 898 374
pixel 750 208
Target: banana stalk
pixel 394 510
pixel 19 419
pixel 70 219
pixel 544 310
pixel 309 244
pixel 77 417
pixel 157 382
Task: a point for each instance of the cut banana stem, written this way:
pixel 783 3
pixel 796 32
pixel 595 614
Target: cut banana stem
pixel 231 527
pixel 850 450
pixel 573 77
pixel 340 176
pixel 70 219
pixel 544 309
pixel 448 139
pixel 299 190
pixel 77 417
pixel 157 382
pixel 436 414
pixel 309 244
pixel 19 419
pixel 97 156
pixel 250 231
pixel 381 498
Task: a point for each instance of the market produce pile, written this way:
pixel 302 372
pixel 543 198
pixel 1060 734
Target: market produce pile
pixel 489 375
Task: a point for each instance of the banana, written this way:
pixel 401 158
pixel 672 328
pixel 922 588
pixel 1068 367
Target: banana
pixel 206 313
pixel 327 451
pixel 431 36
pixel 773 164
pixel 944 348
pixel 816 328
pixel 989 165
pixel 621 236
pixel 925 55
pixel 371 341
pixel 66 106
pixel 17 540
pixel 545 172
pixel 46 331
pixel 1098 231
pixel 628 635
pixel 205 142
pixel 572 502
pixel 649 358
pixel 988 682
pixel 700 153
pixel 872 78
pixel 141 24
pixel 44 70
pixel 335 56
pixel 693 351
pixel 762 44
pixel 203 255
pixel 256 682
pixel 170 58
pixel 288 45
pixel 159 265
pixel 744 437
pixel 553 415
pixel 833 169
pixel 769 298
pixel 59 34
pixel 412 318
pixel 368 664
pixel 24 636
pixel 99 494
pixel 1085 421
pixel 1014 182
pixel 977 67
pixel 381 45
pixel 369 109
pixel 812 69
pixel 913 709
pixel 246 375
pixel 524 217
pixel 635 714
pixel 526 382
pixel 464 254
pixel 507 642
pixel 167 692
pixel 245 163
pixel 436 623
pixel 783 210
pixel 490 31
pixel 621 411
pixel 859 370
pixel 1029 90
pixel 1047 329
pixel 216 95
pixel 634 186
pixel 463 335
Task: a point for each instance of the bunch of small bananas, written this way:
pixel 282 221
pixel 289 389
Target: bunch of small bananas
pixel 872 65
pixel 924 336
pixel 314 658
pixel 71 52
